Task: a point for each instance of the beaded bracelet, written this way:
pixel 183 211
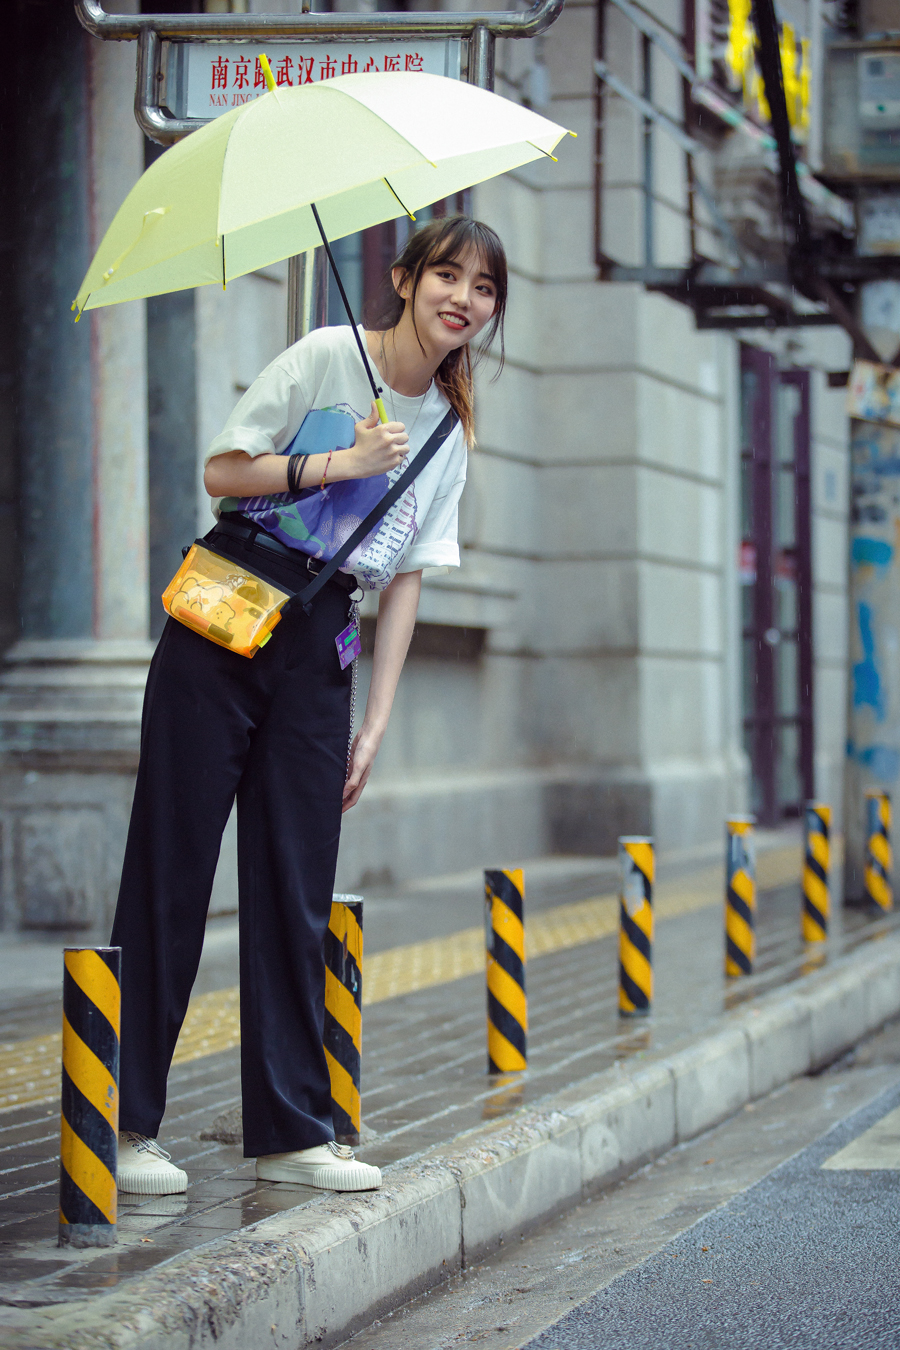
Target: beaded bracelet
pixel 325 474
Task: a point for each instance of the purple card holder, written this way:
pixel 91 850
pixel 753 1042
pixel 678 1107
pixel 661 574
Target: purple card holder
pixel 348 645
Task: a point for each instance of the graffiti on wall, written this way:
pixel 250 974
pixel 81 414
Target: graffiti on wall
pixel 874 731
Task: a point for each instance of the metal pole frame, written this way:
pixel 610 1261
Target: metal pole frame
pixel 150 30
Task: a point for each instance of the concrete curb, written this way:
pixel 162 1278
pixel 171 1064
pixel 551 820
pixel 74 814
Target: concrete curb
pixel 317 1274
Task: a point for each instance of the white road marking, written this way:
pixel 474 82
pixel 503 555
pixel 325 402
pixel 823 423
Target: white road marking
pixel 877 1149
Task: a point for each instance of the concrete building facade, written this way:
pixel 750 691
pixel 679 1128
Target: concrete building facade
pixel 581 676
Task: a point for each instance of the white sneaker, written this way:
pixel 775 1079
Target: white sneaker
pixel 331 1167
pixel 145 1169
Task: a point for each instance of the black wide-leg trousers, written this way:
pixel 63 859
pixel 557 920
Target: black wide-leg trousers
pixel 272 732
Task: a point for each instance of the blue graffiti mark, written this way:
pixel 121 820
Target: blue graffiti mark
pixel 882 761
pixel 867 690
pixel 877 552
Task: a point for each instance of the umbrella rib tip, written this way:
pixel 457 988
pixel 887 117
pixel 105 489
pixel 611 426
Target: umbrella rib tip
pixel 542 152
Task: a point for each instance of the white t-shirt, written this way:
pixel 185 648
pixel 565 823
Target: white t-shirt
pixel 309 399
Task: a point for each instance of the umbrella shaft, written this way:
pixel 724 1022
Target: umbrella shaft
pixel 376 392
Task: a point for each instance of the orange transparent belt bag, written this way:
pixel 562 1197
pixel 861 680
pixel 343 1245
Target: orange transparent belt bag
pixel 224 602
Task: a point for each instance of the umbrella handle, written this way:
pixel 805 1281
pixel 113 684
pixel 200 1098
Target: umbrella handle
pixel 382 413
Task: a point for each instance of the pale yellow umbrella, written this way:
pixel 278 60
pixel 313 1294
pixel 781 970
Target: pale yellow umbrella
pixel 237 194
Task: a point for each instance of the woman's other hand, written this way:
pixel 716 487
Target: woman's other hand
pixel 362 757
pixel 379 447
pixel 397 606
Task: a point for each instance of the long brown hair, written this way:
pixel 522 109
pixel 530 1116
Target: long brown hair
pixel 445 241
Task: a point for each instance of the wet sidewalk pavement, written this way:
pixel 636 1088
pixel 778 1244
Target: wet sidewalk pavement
pixel 424 1079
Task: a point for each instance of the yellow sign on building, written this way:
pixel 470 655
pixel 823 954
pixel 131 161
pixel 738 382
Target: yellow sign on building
pixel 740 59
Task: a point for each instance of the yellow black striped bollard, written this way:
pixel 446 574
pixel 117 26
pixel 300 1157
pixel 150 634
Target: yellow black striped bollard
pixel 343 1013
pixel 636 926
pixel 879 889
pixel 816 867
pixel 89 1125
pixel 740 897
pixel 507 1008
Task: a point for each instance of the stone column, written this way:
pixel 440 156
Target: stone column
pixel 70 689
pixel 118 366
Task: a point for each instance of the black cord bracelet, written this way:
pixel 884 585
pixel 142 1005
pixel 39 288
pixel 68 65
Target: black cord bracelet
pixel 296 465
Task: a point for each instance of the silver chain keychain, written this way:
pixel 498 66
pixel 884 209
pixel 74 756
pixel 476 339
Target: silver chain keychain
pixel 354 668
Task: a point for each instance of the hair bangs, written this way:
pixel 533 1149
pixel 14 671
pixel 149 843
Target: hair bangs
pixel 463 235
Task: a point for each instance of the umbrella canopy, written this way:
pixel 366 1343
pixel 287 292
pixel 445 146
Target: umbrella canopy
pixel 237 195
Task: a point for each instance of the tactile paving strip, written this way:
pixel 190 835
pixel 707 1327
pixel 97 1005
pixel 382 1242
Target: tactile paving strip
pixel 29 1069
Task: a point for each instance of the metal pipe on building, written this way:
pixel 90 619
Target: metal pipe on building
pixel 307 294
pixel 481 57
pixel 368 23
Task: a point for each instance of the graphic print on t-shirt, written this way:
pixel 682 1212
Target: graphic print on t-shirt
pixel 317 522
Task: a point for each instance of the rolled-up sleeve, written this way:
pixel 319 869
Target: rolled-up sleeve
pixel 266 418
pixel 437 542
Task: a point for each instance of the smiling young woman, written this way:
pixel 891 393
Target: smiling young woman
pixel 298 465
pixel 448 285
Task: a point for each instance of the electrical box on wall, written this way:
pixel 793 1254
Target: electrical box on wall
pixel 861 124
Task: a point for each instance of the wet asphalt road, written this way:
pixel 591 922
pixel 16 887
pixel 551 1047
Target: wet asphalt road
pixel 795 1256
pixel 804 1260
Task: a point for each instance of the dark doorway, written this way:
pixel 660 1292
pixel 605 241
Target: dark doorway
pixel 776 585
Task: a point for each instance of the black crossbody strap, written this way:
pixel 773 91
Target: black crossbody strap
pixel 394 492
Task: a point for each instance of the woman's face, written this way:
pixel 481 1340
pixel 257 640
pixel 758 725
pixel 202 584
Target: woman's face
pixel 454 301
